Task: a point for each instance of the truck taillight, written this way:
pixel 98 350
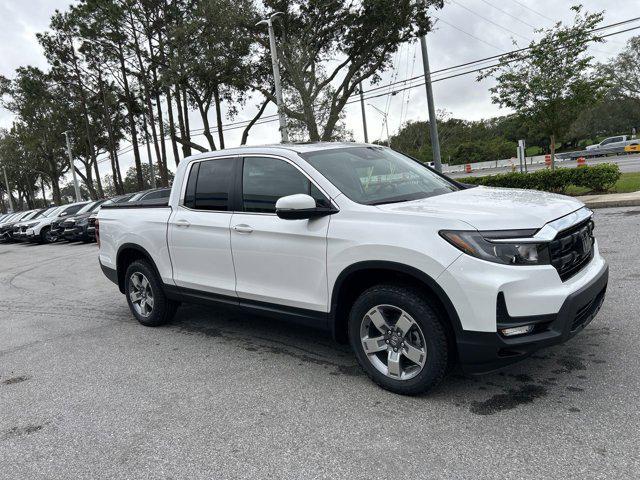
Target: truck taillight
pixel 98 232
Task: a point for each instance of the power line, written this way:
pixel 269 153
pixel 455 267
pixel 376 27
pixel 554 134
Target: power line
pixel 518 50
pixel 534 11
pixel 508 14
pixel 490 21
pixel 483 68
pixel 467 33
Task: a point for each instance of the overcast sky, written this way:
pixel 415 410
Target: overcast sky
pixel 468 30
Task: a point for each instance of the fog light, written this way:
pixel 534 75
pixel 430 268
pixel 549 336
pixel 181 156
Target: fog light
pixel 512 332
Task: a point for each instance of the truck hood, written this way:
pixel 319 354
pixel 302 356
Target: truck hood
pixel 486 208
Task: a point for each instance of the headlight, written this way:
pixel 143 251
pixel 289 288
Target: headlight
pixel 496 247
pixel 82 222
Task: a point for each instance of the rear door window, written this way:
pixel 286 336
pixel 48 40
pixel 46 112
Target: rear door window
pixel 209 185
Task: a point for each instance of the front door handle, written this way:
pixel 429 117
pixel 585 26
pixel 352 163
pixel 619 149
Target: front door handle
pixel 183 223
pixel 242 228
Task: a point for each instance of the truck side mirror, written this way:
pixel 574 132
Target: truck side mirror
pixel 299 207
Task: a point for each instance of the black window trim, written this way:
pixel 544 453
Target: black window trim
pixel 238 204
pixel 232 199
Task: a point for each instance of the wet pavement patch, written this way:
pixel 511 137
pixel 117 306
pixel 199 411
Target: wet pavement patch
pixel 14 380
pixel 21 431
pixel 522 377
pixel 570 364
pixel 509 400
pixel 575 389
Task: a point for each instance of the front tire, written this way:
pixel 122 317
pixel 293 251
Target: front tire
pixel 46 236
pixel 399 339
pixel 145 295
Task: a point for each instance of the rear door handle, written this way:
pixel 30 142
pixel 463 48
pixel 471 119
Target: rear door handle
pixel 183 223
pixel 242 228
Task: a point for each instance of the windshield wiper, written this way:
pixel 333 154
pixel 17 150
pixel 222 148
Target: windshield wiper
pixel 385 202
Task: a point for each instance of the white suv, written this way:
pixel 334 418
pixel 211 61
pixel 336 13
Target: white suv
pixel 415 270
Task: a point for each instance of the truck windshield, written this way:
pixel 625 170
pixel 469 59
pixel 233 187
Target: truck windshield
pixel 377 175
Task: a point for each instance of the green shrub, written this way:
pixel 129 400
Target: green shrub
pixel 598 178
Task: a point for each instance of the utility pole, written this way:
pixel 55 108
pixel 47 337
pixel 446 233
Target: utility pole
pixel 6 182
pixel 73 169
pixel 276 76
pixel 433 124
pixel 364 115
pixel 386 122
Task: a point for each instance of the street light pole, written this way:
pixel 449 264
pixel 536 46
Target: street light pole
pixel 433 124
pixel 364 116
pixel 6 182
pixel 73 169
pixel 276 76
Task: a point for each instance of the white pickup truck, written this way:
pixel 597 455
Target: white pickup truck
pixel 619 141
pixel 415 270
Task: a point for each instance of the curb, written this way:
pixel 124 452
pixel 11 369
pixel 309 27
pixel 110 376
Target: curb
pixel 632 202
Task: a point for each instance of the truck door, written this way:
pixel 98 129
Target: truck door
pixel 198 233
pixel 278 261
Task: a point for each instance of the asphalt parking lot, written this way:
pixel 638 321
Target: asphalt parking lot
pixel 87 392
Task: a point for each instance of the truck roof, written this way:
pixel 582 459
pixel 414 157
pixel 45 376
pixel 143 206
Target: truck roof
pixel 272 148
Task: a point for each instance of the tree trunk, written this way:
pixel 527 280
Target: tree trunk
pixel 186 150
pixel 204 113
pixel 130 117
pixel 98 180
pixel 172 126
pixel 55 186
pixel 185 113
pixel 113 154
pixel 245 133
pixel 216 98
pixel 152 172
pixel 88 179
pixel 85 112
pixel 44 195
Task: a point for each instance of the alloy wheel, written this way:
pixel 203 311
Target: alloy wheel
pixel 393 342
pixel 141 294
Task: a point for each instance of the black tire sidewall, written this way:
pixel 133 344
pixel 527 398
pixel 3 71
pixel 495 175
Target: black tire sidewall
pixel 43 235
pixel 416 305
pixel 163 308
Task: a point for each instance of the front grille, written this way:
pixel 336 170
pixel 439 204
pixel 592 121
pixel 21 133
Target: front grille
pixel 586 313
pixel 572 249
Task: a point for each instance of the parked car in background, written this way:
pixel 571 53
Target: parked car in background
pixel 6 229
pixel 152 195
pixel 76 227
pixel 57 229
pixel 415 270
pixel 20 228
pixel 42 231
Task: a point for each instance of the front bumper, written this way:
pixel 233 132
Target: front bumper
pixel 482 352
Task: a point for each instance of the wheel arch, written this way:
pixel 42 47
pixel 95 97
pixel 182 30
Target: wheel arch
pixel 128 253
pixel 360 276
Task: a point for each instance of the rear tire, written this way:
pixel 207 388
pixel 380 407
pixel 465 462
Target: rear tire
pixel 145 295
pixel 406 344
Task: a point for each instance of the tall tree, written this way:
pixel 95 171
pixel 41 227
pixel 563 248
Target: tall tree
pixel 337 44
pixel 41 116
pixel 554 79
